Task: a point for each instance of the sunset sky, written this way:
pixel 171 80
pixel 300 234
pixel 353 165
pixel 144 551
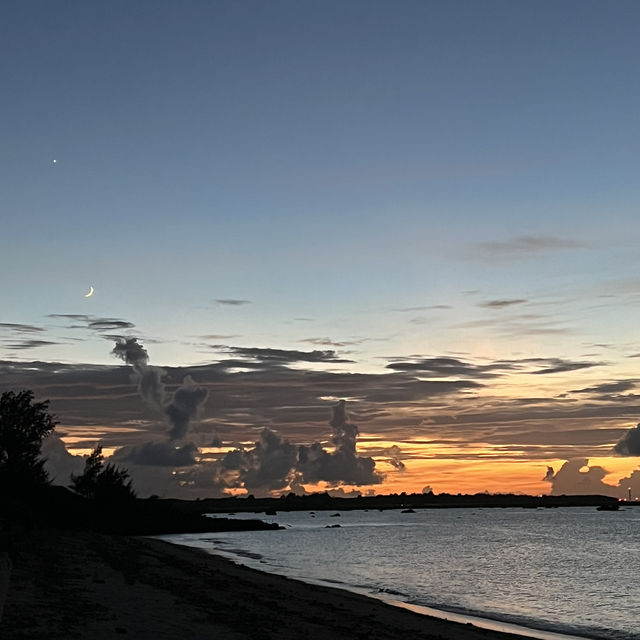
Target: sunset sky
pixel 427 209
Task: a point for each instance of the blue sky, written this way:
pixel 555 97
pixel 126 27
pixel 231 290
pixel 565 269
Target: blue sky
pixel 389 180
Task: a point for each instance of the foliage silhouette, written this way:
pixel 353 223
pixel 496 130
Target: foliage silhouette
pixel 102 483
pixel 102 499
pixel 23 425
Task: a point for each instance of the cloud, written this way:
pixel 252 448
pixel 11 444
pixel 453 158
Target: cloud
pixel 431 402
pixel 162 454
pixel 522 324
pixel 394 459
pixel 523 246
pixel 629 444
pixel 109 324
pixel 607 390
pixel 328 342
pixel 187 404
pixel 233 302
pixel 343 465
pixel 188 400
pixel 344 432
pixel 502 303
pixel 269 466
pixel 396 402
pixel 18 339
pixel 30 344
pixel 71 316
pixel 243 400
pixel 59 463
pixel 410 391
pixel 447 367
pixel 93 323
pixel 558 365
pixel 454 367
pixel 275 463
pixel 133 353
pixel 20 328
pixel 284 356
pixel 576 477
pixel 423 308
pixel 561 437
pixel 149 378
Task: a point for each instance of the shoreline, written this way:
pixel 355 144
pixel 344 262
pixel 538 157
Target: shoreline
pixel 475 619
pixel 492 624
pixel 83 585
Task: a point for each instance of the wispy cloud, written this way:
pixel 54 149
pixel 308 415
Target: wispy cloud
pixel 423 308
pixel 70 316
pixel 16 336
pixel 606 389
pixel 109 324
pixel 233 302
pixel 328 342
pixel 523 246
pixel 558 365
pixel 523 324
pixel 20 328
pixel 93 323
pixel 282 356
pixel 444 367
pixel 30 344
pixel 453 367
pixel 502 303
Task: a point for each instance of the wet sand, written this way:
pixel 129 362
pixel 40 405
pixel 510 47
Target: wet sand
pixel 84 585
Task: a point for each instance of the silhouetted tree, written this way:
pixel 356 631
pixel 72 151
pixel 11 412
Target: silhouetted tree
pixel 23 425
pixel 103 483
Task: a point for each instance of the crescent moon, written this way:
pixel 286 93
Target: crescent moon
pixel 88 295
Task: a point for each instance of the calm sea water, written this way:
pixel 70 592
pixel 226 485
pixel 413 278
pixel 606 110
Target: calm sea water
pixel 571 570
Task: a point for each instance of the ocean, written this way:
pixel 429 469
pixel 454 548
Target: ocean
pixel 572 571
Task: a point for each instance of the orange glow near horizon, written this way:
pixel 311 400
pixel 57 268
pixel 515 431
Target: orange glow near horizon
pixel 472 476
pixel 107 452
pixel 477 476
pixel 445 468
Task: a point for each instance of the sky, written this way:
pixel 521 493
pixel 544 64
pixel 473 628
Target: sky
pixel 364 246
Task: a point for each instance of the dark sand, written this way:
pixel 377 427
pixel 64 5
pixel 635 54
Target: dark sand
pixel 84 585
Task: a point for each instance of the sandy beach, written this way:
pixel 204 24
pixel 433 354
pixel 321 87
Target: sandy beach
pixel 86 585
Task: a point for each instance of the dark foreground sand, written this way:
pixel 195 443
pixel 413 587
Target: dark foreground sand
pixel 84 585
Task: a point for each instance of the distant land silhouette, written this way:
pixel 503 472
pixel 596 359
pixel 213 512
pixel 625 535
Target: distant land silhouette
pixel 58 507
pixel 403 501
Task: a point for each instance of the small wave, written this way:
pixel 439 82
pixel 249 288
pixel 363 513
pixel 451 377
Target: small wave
pixel 214 540
pixel 527 626
pixel 246 554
